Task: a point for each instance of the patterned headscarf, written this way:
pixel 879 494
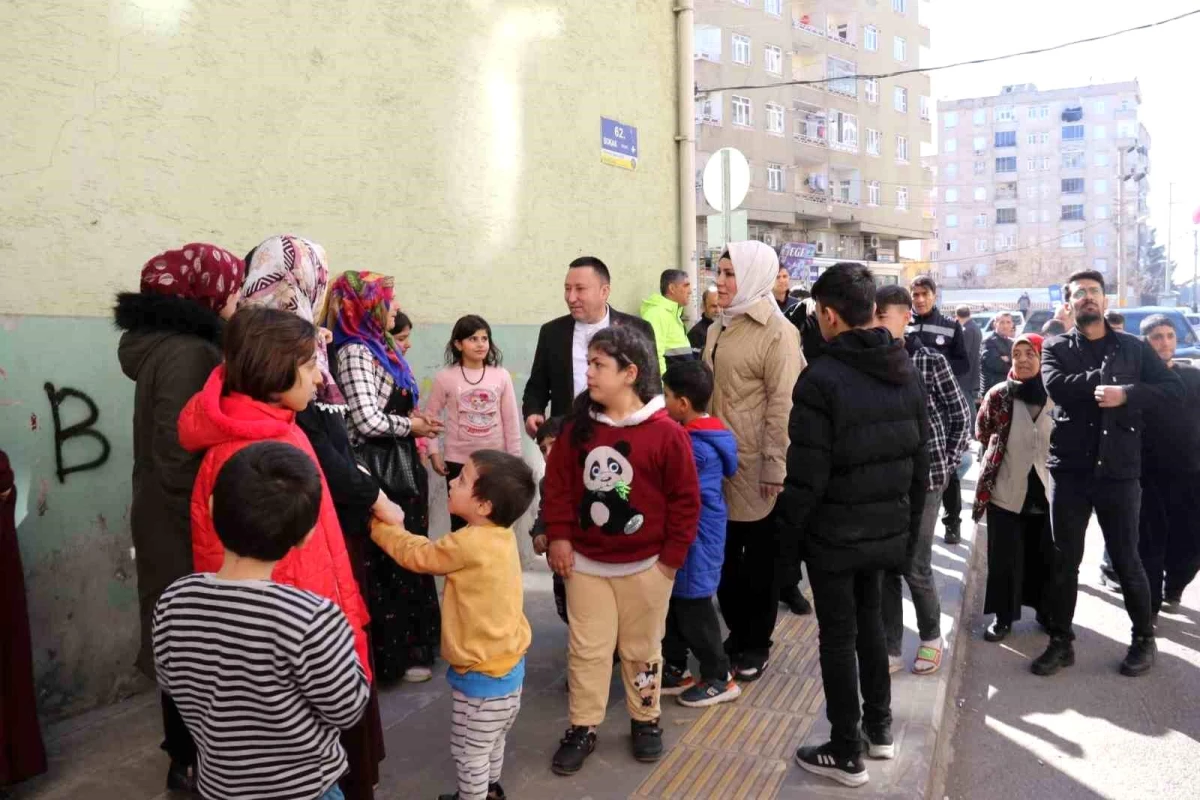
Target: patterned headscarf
pixel 358 303
pixel 289 274
pixel 200 272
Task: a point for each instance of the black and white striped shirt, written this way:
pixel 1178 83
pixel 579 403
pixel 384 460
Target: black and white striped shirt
pixel 265 676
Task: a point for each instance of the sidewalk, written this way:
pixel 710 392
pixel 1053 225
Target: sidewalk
pixel 738 750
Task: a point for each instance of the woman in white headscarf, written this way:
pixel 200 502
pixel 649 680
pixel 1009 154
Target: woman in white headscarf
pixel 754 352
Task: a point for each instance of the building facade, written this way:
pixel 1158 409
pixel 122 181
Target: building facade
pixel 1029 185
pixel 834 163
pixel 407 138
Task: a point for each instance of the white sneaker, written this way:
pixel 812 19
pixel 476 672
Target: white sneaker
pixel 417 674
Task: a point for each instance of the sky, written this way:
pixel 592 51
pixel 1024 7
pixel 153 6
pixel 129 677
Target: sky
pixel 966 29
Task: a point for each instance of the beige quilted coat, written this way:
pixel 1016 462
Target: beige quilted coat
pixel 757 361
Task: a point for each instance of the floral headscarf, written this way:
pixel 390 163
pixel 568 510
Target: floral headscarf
pixel 289 274
pixel 203 273
pixel 358 304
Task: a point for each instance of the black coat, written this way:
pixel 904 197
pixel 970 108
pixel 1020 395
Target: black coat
pixel 973 343
pixel 941 333
pixel 804 316
pixel 993 368
pixel 1105 442
pixel 551 380
pixel 169 348
pixel 698 335
pixel 1171 440
pixel 858 461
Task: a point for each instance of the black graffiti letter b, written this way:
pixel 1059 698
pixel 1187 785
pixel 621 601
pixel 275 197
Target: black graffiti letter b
pixel 84 428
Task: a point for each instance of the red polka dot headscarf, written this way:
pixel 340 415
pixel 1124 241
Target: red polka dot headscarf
pixel 200 272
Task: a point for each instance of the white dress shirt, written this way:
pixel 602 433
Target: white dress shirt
pixel 579 346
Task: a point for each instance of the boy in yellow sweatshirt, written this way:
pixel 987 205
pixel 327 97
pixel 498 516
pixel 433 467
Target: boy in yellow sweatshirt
pixel 484 631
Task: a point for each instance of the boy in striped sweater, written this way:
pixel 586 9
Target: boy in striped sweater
pixel 265 675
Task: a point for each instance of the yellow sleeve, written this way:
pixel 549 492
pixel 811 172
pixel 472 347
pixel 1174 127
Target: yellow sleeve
pixel 417 553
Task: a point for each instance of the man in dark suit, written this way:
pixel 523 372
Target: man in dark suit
pixel 559 371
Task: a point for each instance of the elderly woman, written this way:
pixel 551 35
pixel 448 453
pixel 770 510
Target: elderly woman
pixel 1014 427
pixel 755 356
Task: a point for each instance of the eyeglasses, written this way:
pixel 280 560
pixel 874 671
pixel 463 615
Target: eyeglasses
pixel 1087 291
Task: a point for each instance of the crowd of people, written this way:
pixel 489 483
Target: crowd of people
pixel 283 452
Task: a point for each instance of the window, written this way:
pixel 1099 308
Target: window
pixel 1045 215
pixel 774 118
pixel 871 89
pixel 874 196
pixel 980 116
pixel 1073 212
pixel 925 112
pixel 950 119
pixel 952 195
pixel 900 99
pixel 951 220
pixel 1006 241
pixel 1038 138
pixel 1101 212
pixel 1007 164
pixel 774 177
pixel 1101 240
pixel 741 49
pixel 1030 192
pixel 1006 138
pixel 1126 129
pixel 981 167
pixel 1039 112
pixel 1005 114
pixel 839 69
pixel 1039 163
pixel 980 193
pixel 741 111
pixel 871 38
pixel 874 142
pixel 899 48
pixel 1099 132
pixel 900 6
pixel 981 245
pixel 1072 133
pixel 950 145
pixel 709 110
pixel 1100 264
pixel 1100 186
pixel 707 43
pixel 902 198
pixel 1076 160
pixel 844 129
pixel 902 149
pixel 981 220
pixel 1072 186
pixel 1033 216
pixel 952 245
pixel 952 170
pixel 773 60
pixel 1073 239
pixel 979 144
pixel 1006 216
pixel 773 7
pixel 1100 107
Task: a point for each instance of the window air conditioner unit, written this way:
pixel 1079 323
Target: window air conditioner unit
pixel 820 247
pixel 874 241
pixel 768 238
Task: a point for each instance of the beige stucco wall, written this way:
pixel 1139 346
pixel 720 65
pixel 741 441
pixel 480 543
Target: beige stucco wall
pixel 453 144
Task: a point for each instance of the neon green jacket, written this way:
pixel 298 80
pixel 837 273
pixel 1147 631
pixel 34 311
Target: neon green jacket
pixel 666 317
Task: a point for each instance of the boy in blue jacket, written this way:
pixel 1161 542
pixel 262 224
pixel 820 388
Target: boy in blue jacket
pixel 691 619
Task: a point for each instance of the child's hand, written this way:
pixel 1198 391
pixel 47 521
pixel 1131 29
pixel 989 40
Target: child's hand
pixel 439 464
pixel 388 512
pixel 540 543
pixel 561 558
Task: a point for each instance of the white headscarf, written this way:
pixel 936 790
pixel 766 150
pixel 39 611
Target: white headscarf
pixel 756 266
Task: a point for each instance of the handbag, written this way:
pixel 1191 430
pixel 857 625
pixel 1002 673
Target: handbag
pixel 391 464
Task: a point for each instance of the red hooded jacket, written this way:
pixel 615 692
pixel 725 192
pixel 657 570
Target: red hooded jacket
pixel 224 424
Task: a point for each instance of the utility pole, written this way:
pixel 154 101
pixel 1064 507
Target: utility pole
pixel 1120 226
pixel 1170 214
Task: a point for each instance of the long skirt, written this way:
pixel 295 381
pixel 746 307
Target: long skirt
pixel 1020 562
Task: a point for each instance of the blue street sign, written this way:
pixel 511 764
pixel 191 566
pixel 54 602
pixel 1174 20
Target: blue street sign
pixel 618 144
pixel 1055 293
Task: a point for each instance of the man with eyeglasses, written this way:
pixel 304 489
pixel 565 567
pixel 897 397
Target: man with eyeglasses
pixel 1100 381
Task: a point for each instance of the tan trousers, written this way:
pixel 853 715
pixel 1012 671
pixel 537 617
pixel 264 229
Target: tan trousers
pixel 629 614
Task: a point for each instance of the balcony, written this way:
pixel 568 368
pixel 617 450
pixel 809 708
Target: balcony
pixel 837 70
pixel 810 125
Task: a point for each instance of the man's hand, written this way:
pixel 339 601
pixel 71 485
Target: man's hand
pixel 665 570
pixel 561 557
pixel 1110 396
pixel 540 544
pixel 532 423
pixel 770 491
pixel 387 512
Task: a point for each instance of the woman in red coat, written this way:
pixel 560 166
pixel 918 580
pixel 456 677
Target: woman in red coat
pixel 270 374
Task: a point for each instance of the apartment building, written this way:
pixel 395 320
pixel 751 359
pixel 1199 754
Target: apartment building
pixel 835 163
pixel 1029 184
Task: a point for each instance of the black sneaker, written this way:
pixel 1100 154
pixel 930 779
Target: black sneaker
pixel 1060 653
pixel 1172 599
pixel 879 742
pixel 1140 657
pixel 181 778
pixel 1110 581
pixel 953 536
pixel 577 744
pixel 997 632
pixel 647 740
pixel 750 668
pixel 496 792
pixel 795 600
pixel 710 693
pixel 675 680
pixel 848 771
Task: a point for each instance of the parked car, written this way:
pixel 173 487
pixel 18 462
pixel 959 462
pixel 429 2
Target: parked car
pixel 1193 320
pixel 1037 319
pixel 1189 343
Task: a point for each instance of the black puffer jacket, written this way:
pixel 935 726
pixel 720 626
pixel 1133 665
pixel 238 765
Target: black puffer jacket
pixel 1106 442
pixel 1171 442
pixel 858 459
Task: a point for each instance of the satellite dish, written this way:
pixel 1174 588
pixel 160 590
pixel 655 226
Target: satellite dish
pixel 715 191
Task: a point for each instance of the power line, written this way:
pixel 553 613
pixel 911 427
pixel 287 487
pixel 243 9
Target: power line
pixel 898 73
pixel 967 257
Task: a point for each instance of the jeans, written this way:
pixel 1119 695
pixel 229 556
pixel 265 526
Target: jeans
pixel 1169 535
pixel 1117 503
pixel 919 577
pixel 853 653
pixel 333 793
pixel 749 590
pixel 952 500
pixel 692 625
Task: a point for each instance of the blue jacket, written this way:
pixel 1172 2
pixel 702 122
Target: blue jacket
pixel 715 451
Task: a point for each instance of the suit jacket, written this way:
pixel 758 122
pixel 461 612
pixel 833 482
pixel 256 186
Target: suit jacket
pixel 551 379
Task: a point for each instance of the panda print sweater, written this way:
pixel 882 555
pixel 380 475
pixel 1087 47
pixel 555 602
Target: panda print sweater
pixel 629 494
